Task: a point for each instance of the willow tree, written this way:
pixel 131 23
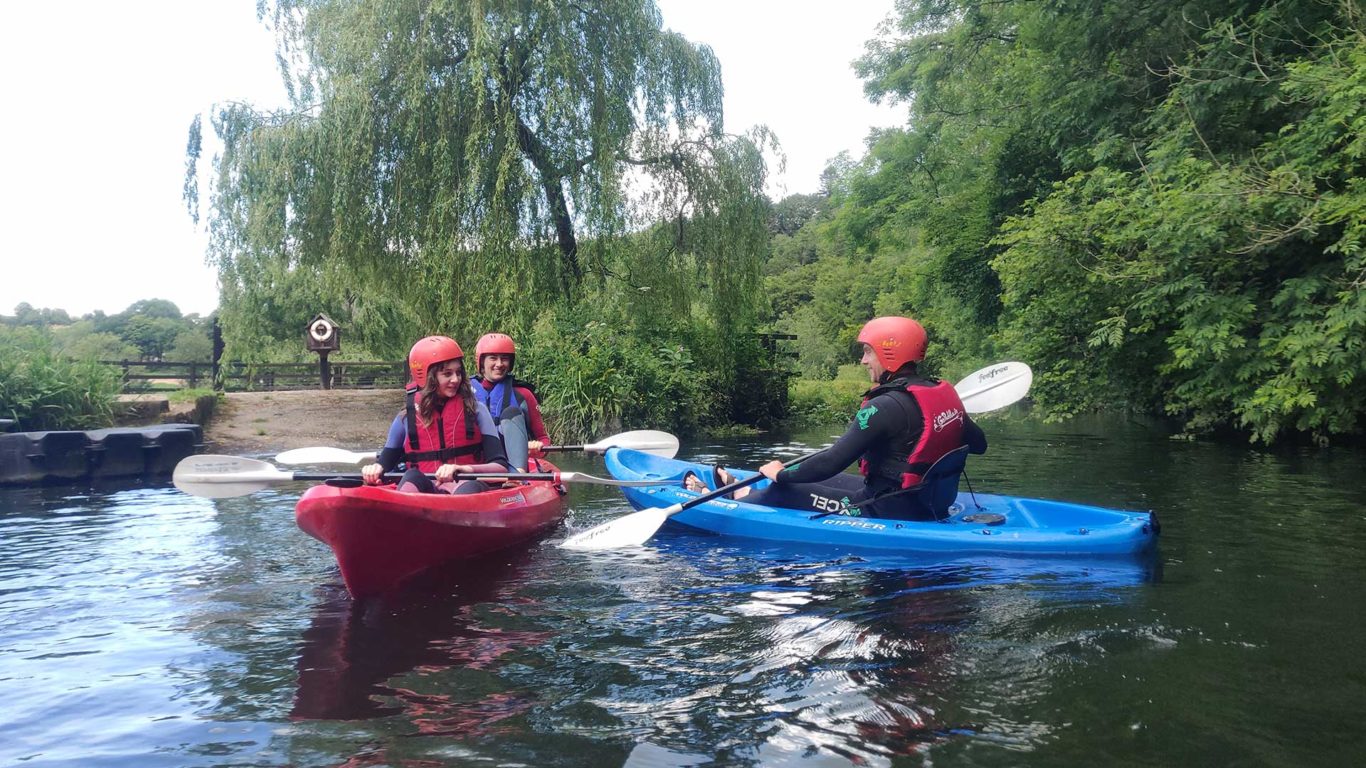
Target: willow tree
pixel 456 164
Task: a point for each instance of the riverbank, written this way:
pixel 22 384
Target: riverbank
pixel 270 422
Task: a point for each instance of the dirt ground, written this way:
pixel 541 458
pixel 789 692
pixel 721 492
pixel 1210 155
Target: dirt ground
pixel 270 422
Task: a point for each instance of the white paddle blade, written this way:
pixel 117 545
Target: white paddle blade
pixel 643 440
pixel 579 477
pixel 219 489
pixel 995 386
pixel 213 476
pixel 629 531
pixel 324 455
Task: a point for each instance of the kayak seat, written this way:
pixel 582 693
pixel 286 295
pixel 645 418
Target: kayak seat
pixel 938 488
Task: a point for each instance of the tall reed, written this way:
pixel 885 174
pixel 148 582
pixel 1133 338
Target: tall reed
pixel 42 390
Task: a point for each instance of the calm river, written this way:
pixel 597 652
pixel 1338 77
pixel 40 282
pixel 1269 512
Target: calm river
pixel 143 627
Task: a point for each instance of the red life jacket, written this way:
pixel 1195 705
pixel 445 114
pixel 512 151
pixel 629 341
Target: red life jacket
pixel 450 438
pixel 941 431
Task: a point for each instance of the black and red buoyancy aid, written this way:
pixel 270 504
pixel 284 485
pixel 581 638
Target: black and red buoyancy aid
pixel 942 414
pixel 450 438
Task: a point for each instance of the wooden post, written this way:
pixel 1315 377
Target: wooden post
pixel 323 336
pixel 218 383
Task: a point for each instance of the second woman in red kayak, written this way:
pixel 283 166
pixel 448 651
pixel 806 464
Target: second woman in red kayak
pixel 444 430
pixel 511 403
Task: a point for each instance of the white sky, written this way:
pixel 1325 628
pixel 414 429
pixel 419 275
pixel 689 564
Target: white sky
pixel 99 97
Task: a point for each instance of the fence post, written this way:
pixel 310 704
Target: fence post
pixel 218 384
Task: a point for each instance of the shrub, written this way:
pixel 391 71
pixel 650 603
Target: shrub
pixel 595 378
pixel 43 390
pixel 816 401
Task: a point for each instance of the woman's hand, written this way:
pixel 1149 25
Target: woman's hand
pixel 446 472
pixel 534 445
pixel 371 474
pixel 771 469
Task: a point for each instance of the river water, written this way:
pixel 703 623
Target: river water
pixel 143 627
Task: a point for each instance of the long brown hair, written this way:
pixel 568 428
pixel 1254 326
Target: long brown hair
pixel 428 405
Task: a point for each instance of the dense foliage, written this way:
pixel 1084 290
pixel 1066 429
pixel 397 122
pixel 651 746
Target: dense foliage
pixel 1158 206
pixel 41 388
pixel 538 168
pixel 148 330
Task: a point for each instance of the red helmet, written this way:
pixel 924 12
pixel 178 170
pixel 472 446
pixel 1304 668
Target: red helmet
pixel 895 340
pixel 429 351
pixel 493 344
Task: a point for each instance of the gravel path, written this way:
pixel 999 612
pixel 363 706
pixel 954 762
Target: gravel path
pixel 270 422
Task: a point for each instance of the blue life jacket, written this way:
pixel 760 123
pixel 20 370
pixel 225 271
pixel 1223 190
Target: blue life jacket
pixel 502 396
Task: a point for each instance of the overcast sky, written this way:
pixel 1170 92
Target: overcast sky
pixel 99 97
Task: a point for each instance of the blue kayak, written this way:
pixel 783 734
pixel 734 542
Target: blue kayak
pixel 980 523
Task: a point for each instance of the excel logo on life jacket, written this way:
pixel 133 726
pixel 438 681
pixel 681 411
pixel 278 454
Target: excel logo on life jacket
pixel 946 418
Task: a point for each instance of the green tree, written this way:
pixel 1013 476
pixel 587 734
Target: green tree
pixel 152 336
pixel 451 166
pixel 192 346
pixel 26 314
pixel 1235 276
pixel 82 342
pixel 154 309
pixel 1157 205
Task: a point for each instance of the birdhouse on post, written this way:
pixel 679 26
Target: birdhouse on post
pixel 324 337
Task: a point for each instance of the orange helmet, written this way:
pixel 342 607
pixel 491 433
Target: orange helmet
pixel 895 340
pixel 429 351
pixel 493 344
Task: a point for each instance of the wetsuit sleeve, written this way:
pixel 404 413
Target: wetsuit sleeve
pixel 393 451
pixel 876 422
pixel 533 410
pixel 495 457
pixel 974 436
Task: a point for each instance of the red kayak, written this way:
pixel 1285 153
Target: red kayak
pixel 381 537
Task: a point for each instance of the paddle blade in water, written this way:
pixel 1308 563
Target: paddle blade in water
pixel 632 530
pixel 213 476
pixel 995 386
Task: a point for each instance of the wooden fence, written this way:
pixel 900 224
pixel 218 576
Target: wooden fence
pixel 141 376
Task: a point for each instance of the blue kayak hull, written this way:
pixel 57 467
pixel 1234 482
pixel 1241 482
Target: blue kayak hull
pixel 1031 526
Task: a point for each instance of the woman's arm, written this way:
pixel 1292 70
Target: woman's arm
pixel 391 454
pixel 495 456
pixel 533 415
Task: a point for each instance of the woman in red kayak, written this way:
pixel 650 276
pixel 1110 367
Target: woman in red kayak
pixel 510 402
pixel 443 430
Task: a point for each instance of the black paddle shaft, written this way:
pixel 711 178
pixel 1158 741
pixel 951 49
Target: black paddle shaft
pixel 320 476
pixel 738 484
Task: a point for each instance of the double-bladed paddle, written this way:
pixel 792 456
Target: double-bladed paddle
pixel 645 440
pixel 993 387
pixel 221 477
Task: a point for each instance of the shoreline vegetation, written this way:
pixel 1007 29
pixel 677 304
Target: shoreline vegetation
pixel 1159 209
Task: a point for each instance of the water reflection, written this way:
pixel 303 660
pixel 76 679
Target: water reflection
pixel 418 654
pixel 777 654
pixel 144 627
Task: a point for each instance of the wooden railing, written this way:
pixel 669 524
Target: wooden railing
pixel 141 376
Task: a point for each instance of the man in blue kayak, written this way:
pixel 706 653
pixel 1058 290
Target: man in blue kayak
pixel 905 426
